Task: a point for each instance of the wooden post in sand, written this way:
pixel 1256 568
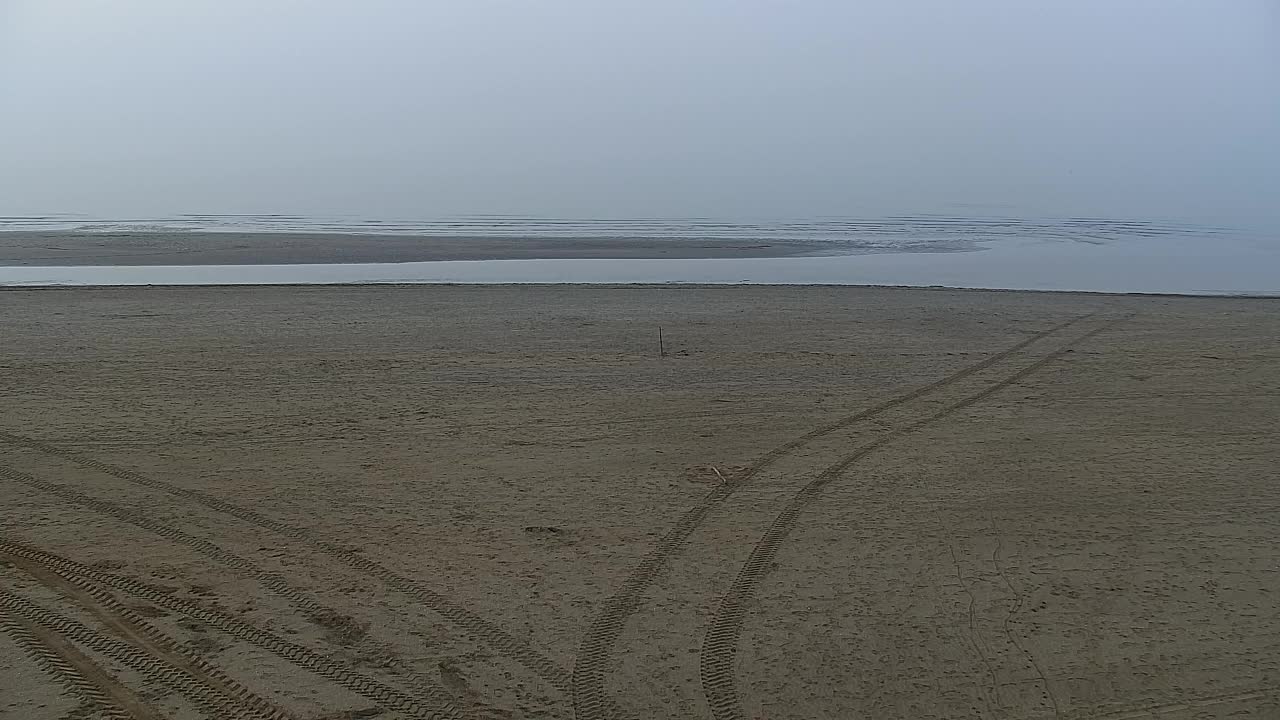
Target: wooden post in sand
pixel 662 350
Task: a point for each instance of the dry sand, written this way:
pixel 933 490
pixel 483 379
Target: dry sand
pixel 500 502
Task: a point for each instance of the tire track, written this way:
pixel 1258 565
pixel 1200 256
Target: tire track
pixel 720 643
pixel 592 662
pixel 208 699
pixel 437 696
pixel 472 624
pixel 84 577
pixel 131 627
pixel 78 675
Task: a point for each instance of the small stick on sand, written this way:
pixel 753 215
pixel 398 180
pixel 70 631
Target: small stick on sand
pixel 716 470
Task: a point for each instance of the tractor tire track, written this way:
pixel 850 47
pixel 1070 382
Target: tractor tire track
pixel 207 698
pixel 131 627
pixel 592 662
pixel 84 577
pixel 78 675
pixel 720 643
pixel 442 701
pixel 466 620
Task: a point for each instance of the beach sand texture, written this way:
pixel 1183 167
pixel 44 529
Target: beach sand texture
pixel 502 502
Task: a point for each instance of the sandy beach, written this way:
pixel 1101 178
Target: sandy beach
pixel 504 502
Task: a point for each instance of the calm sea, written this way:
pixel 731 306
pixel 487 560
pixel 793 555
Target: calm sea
pixel 913 233
pixel 1067 253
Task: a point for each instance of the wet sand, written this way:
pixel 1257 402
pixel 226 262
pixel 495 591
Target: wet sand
pixel 58 248
pixel 501 502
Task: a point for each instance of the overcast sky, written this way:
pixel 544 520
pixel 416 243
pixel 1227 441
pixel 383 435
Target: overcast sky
pixel 608 108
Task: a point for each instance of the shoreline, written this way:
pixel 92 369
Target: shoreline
pixel 650 286
pixel 1153 266
pixel 43 248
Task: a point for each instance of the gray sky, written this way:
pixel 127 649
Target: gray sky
pixel 606 108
